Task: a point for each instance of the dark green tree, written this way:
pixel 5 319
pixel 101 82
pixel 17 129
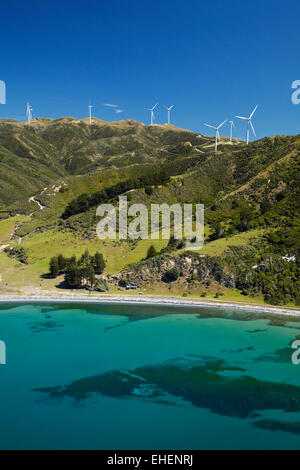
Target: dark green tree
pixel 61 263
pixel 85 258
pixel 54 266
pixel 73 277
pixel 98 263
pixel 88 276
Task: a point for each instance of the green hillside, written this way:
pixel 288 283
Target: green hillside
pixel 36 155
pixel 53 174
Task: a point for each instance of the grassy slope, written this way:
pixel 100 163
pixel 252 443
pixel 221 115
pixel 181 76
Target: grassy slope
pixel 37 155
pixel 40 248
pixel 7 227
pixel 214 178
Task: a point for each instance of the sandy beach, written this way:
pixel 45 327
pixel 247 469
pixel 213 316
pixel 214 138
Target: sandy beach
pixel 149 300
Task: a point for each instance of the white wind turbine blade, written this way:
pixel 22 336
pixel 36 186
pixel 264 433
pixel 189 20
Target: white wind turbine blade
pixel 171 107
pixel 241 117
pixel 208 125
pixel 253 111
pixel 252 128
pixel 218 136
pixel 154 106
pixel 221 124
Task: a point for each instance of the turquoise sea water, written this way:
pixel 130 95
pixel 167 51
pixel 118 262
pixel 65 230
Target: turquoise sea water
pixel 107 376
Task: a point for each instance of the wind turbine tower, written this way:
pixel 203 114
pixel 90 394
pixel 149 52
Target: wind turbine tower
pixel 248 119
pixel 28 112
pixel 169 112
pixel 231 126
pixel 218 138
pixel 90 112
pixel 152 113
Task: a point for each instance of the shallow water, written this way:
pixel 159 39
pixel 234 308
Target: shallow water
pixel 82 376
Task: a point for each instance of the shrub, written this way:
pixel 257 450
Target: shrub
pixel 171 275
pixel 149 190
pixel 101 285
pixel 151 252
pixel 17 253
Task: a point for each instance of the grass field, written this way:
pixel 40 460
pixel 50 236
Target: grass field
pixel 40 247
pixel 217 247
pixel 7 227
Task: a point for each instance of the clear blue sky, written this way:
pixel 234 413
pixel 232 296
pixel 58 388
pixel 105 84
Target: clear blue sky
pixel 211 59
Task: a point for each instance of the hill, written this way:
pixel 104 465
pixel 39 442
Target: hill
pixel 53 174
pixel 36 155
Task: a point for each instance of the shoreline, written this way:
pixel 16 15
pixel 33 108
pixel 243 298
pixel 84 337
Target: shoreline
pixel 147 300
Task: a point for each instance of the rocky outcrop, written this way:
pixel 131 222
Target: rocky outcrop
pixel 190 266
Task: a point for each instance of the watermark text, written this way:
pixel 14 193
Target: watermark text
pixel 296 94
pixel 159 222
pixel 2 92
pixel 296 354
pixel 2 353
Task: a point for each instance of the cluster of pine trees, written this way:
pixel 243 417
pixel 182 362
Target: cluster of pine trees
pixel 80 272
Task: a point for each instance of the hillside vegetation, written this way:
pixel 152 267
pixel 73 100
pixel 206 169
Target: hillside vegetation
pixel 53 174
pixel 36 155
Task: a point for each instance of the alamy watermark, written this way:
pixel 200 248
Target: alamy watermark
pixel 2 92
pixel 296 354
pixel 162 221
pixel 2 353
pixel 296 94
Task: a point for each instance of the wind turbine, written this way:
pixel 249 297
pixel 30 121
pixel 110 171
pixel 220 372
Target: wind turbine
pixel 152 113
pixel 231 126
pixel 28 112
pixel 217 133
pixel 90 112
pixel 248 122
pixel 169 109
